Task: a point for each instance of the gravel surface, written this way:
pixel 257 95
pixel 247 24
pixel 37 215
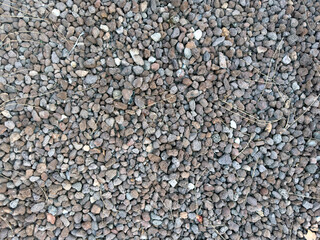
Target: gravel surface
pixel 159 119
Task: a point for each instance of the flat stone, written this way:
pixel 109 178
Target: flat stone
pixel 81 73
pixel 222 60
pixel 156 37
pixel 197 34
pixel 37 207
pixel 196 145
pixel 225 160
pixel 90 63
pixel 111 173
pixel 91 79
pixel 286 60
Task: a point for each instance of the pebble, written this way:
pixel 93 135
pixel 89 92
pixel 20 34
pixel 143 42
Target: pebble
pixel 198 34
pixel 91 79
pixel 156 37
pixel 37 207
pixel 286 60
pixel 222 60
pixel 312 168
pixel 196 145
pixel 225 160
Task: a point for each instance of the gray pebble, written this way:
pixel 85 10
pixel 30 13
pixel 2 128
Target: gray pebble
pixel 312 168
pixel 91 79
pixel 225 159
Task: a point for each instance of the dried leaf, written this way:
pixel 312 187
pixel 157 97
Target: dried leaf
pixel 287 105
pixel 310 235
pixel 268 127
pixel 199 218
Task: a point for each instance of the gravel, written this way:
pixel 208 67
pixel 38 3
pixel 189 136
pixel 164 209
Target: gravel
pixel 159 119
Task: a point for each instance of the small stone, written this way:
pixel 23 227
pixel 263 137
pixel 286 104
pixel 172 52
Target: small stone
pixel 14 203
pixel 77 186
pixel 139 101
pixel 196 145
pixel 52 210
pixel 56 12
pixel 277 138
pixel 310 100
pixel 184 215
pixel 154 158
pixel 116 94
pixel 111 173
pixel 91 79
pixel 127 93
pixel 37 207
pixel 54 58
pixel 173 183
pixel 222 60
pixel 156 37
pixel 295 86
pixel 136 57
pixel 104 28
pixel 286 60
pixel 137 70
pixel 306 60
pixel 50 218
pixel 143 6
pixel 81 73
pixel 311 168
pixel 233 124
pixel 187 53
pixel 198 34
pixel 90 63
pixel 307 205
pixel 96 209
pixel 9 124
pixel 261 49
pixel 41 167
pixel 225 160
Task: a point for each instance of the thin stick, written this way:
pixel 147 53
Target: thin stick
pixel 214 228
pixel 251 138
pixel 195 189
pixel 7 224
pixel 46 196
pixel 304 196
pixel 303 112
pixel 76 43
pixel 261 121
pixel 264 82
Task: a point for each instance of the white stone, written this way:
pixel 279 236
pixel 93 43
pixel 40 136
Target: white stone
pixel 136 57
pixel 233 124
pixel 33 73
pixel 222 60
pixel 198 34
pixel 6 113
pixel 286 59
pixel 81 73
pixel 56 12
pixel 173 183
pixel 156 37
pixel 104 28
pixel 190 186
pixel 295 86
pixel 261 49
pixel 117 61
pixel 187 53
pixel 152 59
